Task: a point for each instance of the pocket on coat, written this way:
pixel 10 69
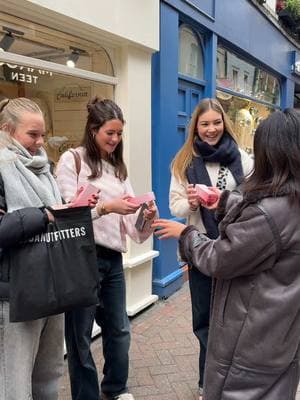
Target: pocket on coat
pixel 223 293
pixel 259 384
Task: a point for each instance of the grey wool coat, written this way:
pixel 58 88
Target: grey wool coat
pixel 254 336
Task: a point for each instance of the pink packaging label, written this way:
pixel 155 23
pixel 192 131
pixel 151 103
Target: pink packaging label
pixel 144 198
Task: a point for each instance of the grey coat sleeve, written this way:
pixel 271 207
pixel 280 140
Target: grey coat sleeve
pixel 247 247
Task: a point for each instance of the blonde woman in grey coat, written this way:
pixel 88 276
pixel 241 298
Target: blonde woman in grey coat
pixel 254 338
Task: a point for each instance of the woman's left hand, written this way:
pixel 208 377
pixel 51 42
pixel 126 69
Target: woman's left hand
pixel 151 210
pixel 165 229
pixel 93 200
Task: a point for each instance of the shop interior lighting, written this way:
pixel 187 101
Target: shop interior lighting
pixel 8 38
pixel 74 56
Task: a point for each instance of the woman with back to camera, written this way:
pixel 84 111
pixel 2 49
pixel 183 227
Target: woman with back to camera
pixel 209 156
pixel 254 338
pixel 101 155
pixel 31 352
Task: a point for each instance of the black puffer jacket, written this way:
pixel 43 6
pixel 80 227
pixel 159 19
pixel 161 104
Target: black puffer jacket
pixel 16 227
pixel 254 337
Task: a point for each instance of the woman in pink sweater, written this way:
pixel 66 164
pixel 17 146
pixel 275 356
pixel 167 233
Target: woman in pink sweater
pixel 101 163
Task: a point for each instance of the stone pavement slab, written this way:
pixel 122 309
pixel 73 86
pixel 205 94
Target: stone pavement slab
pixel 163 354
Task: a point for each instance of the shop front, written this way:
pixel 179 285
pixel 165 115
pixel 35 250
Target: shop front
pixel 212 49
pixel 60 58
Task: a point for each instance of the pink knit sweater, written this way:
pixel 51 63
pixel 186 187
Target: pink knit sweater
pixel 109 230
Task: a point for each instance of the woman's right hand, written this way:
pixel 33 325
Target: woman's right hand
pixel 120 206
pixel 193 198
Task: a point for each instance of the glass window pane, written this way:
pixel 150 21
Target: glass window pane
pixel 62 99
pixel 240 76
pixel 245 115
pixel 36 41
pixel 190 54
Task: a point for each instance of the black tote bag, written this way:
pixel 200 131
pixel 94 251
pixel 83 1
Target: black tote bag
pixel 55 271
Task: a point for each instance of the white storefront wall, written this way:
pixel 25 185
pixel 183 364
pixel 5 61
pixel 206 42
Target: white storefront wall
pixel 130 30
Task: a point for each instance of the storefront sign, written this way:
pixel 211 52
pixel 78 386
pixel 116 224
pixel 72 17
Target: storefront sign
pixel 296 63
pixel 19 73
pixel 69 94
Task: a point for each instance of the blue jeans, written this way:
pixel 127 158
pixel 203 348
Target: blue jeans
pixel 200 287
pixel 111 316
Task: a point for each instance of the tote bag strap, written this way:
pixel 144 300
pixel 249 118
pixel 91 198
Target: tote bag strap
pixel 77 162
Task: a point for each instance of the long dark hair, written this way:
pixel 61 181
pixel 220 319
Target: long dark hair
pixel 99 112
pixel 277 157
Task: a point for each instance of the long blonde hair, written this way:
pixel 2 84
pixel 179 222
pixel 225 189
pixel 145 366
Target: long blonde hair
pixel 184 157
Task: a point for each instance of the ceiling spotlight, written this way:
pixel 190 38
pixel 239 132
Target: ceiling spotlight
pixel 73 57
pixel 6 42
pixel 8 38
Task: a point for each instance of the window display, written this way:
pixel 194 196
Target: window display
pixel 245 115
pixel 62 97
pixel 249 94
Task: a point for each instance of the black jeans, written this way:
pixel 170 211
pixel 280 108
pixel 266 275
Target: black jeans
pixel 200 287
pixel 111 316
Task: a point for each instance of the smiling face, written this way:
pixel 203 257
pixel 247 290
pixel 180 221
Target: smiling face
pixel 210 127
pixel 30 131
pixel 108 136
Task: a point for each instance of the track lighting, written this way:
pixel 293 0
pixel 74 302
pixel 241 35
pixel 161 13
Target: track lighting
pixel 6 42
pixel 8 38
pixel 73 57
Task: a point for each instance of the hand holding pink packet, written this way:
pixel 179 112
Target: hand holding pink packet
pixel 85 195
pixel 206 195
pixel 144 198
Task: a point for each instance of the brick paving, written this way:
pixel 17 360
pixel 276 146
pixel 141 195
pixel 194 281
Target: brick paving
pixel 163 355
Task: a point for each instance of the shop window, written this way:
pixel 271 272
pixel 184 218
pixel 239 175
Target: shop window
pixel 61 96
pixel 247 93
pixel 190 54
pixel 245 116
pixel 62 99
pixel 37 41
pixel 260 84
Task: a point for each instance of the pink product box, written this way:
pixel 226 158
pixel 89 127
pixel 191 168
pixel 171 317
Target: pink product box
pixel 207 195
pixel 144 198
pixel 85 195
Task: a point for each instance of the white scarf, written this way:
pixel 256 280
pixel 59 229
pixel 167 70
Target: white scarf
pixel 27 179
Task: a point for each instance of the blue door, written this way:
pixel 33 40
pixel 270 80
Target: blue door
pixel 189 95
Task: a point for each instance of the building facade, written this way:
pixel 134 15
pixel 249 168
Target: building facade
pixel 235 51
pixel 61 53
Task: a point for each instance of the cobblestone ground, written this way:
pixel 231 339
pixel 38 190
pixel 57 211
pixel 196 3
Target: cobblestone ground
pixel 163 355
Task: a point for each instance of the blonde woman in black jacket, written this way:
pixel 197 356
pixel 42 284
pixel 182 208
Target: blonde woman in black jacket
pixel 254 338
pixel 31 352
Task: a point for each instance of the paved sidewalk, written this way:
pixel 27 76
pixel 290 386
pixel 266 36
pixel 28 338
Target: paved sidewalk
pixel 163 355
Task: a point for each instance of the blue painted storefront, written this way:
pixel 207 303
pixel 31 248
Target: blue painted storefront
pixel 241 27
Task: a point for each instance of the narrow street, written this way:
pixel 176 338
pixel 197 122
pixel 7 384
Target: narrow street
pixel 163 356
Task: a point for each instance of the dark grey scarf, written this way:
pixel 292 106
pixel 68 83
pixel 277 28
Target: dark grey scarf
pixel 225 153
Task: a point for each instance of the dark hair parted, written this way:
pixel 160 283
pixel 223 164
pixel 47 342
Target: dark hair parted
pixel 101 111
pixel 277 157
